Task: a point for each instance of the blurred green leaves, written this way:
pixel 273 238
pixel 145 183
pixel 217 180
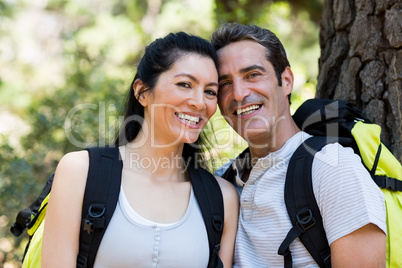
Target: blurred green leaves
pixel 75 59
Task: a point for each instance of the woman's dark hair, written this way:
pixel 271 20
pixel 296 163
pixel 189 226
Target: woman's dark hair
pixel 159 57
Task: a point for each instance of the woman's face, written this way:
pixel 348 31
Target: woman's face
pixel 182 101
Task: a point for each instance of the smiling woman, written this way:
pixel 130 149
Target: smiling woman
pixel 160 217
pixel 181 103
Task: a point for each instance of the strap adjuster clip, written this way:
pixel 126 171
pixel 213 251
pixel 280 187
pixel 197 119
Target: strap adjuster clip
pixel 217 222
pixel 305 219
pixel 88 226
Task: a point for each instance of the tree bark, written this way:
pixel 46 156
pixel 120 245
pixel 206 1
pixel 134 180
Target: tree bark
pixel 361 61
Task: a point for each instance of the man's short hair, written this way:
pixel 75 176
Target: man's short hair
pixel 233 32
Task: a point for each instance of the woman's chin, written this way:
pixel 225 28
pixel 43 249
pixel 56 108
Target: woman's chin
pixel 190 140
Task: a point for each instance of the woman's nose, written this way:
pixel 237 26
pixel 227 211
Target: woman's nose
pixel 197 100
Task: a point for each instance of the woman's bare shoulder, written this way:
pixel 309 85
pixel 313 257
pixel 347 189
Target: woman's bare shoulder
pixel 64 211
pixel 229 192
pixel 78 159
pixel 73 166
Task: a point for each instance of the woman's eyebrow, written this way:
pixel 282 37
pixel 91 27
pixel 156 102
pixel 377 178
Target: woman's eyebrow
pixel 192 77
pixel 213 84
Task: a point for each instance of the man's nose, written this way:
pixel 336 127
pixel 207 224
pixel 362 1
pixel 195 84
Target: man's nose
pixel 240 90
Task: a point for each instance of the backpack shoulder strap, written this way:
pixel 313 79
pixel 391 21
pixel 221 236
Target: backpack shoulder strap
pixel 27 217
pixel 210 199
pixel 229 174
pixel 101 194
pixel 302 206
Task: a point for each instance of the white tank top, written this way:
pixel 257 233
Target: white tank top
pixel 133 241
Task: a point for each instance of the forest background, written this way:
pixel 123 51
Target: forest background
pixel 65 68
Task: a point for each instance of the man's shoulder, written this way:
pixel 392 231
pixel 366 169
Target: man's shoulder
pixel 337 162
pixel 334 154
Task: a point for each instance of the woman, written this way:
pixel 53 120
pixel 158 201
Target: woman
pixel 171 98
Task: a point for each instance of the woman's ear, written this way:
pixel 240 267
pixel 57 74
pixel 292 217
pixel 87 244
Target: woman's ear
pixel 139 92
pixel 287 81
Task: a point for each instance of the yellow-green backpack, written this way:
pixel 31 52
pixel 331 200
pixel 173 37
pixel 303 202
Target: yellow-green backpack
pixel 339 121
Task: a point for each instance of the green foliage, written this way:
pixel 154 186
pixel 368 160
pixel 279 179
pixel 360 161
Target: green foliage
pixel 65 68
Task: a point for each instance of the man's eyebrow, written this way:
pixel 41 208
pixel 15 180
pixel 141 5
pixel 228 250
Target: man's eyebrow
pixel 223 77
pixel 252 67
pixel 244 70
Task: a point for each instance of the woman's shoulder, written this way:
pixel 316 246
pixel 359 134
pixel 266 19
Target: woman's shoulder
pixel 74 166
pixel 229 192
pixel 77 158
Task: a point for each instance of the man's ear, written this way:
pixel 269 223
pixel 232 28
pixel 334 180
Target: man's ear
pixel 287 81
pixel 139 94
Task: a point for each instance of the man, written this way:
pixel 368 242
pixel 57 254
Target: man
pixel 255 83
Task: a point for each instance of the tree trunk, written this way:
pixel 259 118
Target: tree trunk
pixel 361 61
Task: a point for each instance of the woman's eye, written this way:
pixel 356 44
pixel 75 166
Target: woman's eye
pixel 210 92
pixel 184 84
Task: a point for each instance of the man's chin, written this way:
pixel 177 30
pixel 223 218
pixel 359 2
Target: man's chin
pixel 255 136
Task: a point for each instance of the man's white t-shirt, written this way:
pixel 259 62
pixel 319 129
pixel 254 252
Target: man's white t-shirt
pixel 346 195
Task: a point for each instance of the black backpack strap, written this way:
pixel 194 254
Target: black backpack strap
pixel 101 195
pixel 245 163
pixel 389 183
pixel 229 174
pixel 302 206
pixel 24 218
pixel 210 199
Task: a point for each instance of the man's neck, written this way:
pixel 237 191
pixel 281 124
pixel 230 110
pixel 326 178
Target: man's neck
pixel 272 143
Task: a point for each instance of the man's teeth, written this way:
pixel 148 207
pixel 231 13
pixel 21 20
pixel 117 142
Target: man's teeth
pixel 188 118
pixel 247 110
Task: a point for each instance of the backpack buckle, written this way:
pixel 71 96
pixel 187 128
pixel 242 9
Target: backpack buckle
pixel 93 219
pixel 390 183
pixel 305 218
pixel 327 261
pixel 16 229
pixel 96 210
pixel 88 226
pixel 217 222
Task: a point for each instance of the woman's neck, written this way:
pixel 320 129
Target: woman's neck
pixel 159 161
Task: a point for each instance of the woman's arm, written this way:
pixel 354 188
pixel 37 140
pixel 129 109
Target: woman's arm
pixel 63 217
pixel 231 206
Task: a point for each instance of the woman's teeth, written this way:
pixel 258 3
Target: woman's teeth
pixel 247 110
pixel 188 118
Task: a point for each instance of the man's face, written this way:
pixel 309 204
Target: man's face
pixel 249 96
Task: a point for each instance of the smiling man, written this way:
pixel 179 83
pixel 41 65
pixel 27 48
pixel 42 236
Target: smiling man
pixel 255 83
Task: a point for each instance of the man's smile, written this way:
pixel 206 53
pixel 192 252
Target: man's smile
pixel 248 109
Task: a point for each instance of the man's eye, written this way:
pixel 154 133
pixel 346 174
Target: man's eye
pixel 252 75
pixel 184 84
pixel 223 84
